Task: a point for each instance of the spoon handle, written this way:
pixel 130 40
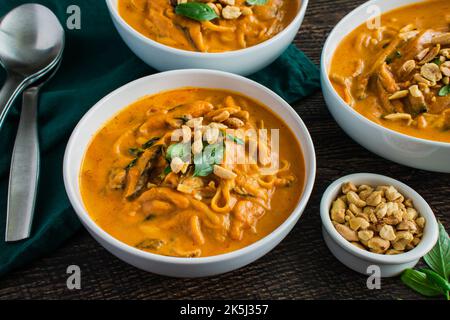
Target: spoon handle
pixel 8 94
pixel 24 174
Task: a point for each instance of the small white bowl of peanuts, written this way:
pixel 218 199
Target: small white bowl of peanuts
pixel 373 220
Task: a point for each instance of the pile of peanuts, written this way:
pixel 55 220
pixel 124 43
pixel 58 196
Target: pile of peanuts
pixel 378 219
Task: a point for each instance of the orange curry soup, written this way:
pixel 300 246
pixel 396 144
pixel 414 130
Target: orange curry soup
pixel 237 26
pixel 397 75
pixel 139 186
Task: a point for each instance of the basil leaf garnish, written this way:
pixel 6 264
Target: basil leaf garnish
pixel 445 91
pixel 437 61
pixel 418 281
pixel 150 143
pixel 439 257
pixel 179 150
pixel 196 11
pixel 397 54
pixel 214 153
pixel 167 170
pixel 202 169
pixel 432 282
pixel 131 164
pixel 135 151
pixel 257 2
pixel 205 161
pixel 235 139
pixel 436 279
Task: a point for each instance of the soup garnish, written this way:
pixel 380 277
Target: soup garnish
pixel 186 173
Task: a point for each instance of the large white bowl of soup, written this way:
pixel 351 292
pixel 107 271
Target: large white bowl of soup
pixel 237 36
pixel 386 80
pixel 190 173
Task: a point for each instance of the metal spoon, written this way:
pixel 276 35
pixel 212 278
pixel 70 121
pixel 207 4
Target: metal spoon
pixel 24 173
pixel 31 42
pixel 31 47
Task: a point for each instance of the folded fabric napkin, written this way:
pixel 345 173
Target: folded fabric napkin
pixel 95 62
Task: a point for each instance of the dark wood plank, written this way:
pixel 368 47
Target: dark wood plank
pixel 301 267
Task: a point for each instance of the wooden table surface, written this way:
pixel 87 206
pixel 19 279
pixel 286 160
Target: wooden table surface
pixel 301 267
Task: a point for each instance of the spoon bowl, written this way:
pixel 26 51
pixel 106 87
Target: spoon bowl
pixel 31 44
pixel 31 39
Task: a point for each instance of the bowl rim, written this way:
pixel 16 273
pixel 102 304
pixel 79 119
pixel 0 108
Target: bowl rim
pixel 429 238
pixel 209 55
pixel 324 71
pixel 88 222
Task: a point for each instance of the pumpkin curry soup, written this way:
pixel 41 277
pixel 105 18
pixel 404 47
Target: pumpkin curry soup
pixel 209 25
pixel 397 75
pixel 188 173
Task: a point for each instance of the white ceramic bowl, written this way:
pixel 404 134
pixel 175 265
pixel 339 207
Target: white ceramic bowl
pixel 243 62
pixel 359 259
pixel 392 145
pixel 124 96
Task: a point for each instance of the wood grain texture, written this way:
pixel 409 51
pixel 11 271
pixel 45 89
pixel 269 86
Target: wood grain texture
pixel 301 267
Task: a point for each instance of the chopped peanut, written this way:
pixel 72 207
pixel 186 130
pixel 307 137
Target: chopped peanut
pixel 223 173
pixel 231 12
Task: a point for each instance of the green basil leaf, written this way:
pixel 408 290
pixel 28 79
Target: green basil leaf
pixel 150 143
pixel 439 257
pixel 397 54
pixel 437 61
pixel 202 169
pixel 135 151
pixel 257 2
pixel 436 279
pixel 205 161
pixel 417 281
pixel 235 139
pixel 180 150
pixel 217 152
pixel 445 91
pixel 131 164
pixel 196 11
pixel 167 170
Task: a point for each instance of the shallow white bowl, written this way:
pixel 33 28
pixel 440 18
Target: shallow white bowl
pixel 243 62
pixel 359 259
pixel 392 145
pixel 124 96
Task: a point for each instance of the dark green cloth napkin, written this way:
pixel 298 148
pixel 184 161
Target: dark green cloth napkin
pixel 96 62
